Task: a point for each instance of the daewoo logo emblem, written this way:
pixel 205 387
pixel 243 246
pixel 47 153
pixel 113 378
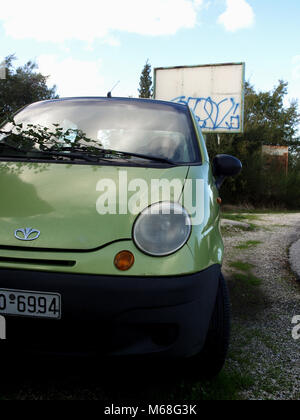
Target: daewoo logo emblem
pixel 27 234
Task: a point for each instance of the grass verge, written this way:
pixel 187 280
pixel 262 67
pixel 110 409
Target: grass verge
pixel 248 279
pixel 241 266
pixel 248 244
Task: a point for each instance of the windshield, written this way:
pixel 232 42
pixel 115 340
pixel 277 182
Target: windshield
pixel 150 128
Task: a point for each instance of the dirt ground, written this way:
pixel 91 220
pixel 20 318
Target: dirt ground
pixel 263 361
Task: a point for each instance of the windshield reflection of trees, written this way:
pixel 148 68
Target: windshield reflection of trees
pixel 34 138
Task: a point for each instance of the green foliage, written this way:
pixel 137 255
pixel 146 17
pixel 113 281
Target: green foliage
pixel 248 244
pixel 225 387
pixel 248 278
pixel 267 122
pixel 22 86
pixel 245 276
pixel 241 266
pixel 145 89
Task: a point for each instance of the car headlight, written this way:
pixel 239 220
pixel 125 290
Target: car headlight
pixel 162 229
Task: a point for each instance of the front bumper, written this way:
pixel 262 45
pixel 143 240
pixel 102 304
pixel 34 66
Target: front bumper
pixel 166 316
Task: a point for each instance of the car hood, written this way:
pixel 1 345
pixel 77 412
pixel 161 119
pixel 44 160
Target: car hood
pixel 62 202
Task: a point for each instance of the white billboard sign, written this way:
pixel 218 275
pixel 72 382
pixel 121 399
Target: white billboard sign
pixel 215 93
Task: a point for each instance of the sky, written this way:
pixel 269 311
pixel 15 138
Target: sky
pixel 86 47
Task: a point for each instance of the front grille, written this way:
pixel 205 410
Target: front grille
pixel 30 261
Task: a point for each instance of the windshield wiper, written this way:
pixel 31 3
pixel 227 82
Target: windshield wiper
pixel 88 155
pixel 138 155
pixel 99 152
pixel 71 155
pixel 11 146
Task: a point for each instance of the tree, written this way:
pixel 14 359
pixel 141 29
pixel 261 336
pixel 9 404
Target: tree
pixel 22 85
pixel 145 89
pixel 267 122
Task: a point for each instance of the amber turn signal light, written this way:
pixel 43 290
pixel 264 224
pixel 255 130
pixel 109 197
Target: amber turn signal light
pixel 124 260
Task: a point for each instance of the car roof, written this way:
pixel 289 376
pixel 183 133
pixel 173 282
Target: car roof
pixel 116 99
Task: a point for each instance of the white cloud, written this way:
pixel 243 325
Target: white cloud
pixel 62 20
pixel 73 77
pixel 238 15
pixel 296 67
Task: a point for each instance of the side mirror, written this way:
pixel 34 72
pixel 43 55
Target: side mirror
pixel 224 166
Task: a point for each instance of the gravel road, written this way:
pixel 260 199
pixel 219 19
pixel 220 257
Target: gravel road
pixel 295 258
pixel 265 298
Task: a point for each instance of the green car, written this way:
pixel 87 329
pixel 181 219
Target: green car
pixel 110 231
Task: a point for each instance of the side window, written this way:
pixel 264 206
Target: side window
pixel 201 139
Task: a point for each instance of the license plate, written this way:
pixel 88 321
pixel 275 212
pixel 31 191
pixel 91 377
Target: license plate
pixel 30 304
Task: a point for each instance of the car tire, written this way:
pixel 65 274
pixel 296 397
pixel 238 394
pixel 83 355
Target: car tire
pixel 214 352
pixel 210 361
